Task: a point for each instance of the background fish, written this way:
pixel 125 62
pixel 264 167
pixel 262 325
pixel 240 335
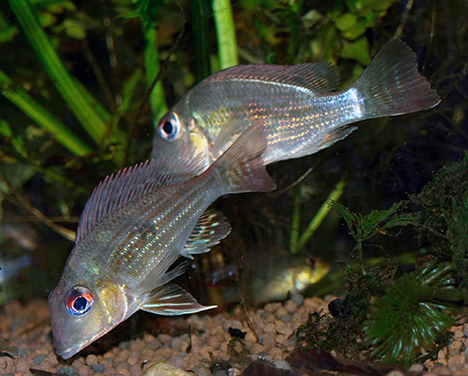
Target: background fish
pixel 273 280
pixel 135 225
pixel 301 114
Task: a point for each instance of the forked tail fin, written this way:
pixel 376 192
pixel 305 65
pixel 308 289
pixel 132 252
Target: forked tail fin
pixel 240 168
pixel 391 84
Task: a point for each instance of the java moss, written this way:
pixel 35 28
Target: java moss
pixel 408 310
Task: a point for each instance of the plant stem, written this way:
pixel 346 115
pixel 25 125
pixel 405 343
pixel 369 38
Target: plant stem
pixel 225 33
pixel 43 118
pixel 200 12
pixel 157 100
pixel 296 222
pixel 93 117
pixel 322 213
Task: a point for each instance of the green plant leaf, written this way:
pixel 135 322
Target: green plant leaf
pixel 85 107
pixel 346 21
pixel 42 117
pixel 357 50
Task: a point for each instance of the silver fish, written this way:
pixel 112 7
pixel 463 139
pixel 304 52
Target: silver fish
pixel 301 112
pixel 135 225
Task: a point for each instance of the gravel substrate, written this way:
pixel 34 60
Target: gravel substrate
pixel 27 347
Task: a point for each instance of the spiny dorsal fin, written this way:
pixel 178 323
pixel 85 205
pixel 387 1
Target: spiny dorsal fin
pixel 322 76
pixel 212 226
pixel 172 300
pixel 131 183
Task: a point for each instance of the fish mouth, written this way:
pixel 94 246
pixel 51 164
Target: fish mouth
pixel 68 352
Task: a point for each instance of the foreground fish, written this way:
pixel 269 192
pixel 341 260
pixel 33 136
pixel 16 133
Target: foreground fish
pixel 135 225
pixel 300 111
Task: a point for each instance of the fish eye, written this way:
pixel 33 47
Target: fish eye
pixel 311 261
pixel 79 301
pixel 169 127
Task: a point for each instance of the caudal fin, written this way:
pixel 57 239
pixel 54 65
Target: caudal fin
pixel 391 84
pixel 240 168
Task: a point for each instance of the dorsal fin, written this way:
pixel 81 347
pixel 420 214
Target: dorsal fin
pixel 322 76
pixel 131 183
pixel 212 226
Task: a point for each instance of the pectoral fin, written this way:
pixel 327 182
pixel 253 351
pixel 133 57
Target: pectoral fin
pixel 209 230
pixel 171 300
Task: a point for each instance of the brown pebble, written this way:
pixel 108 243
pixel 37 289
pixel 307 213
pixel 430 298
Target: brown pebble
pixel 77 363
pixel 147 353
pixel 281 311
pixel 165 352
pixel 148 338
pixel 135 370
pixel 52 358
pixel 249 344
pixel 250 336
pixel 201 370
pixel 176 344
pixel 214 342
pixel 441 370
pixel 269 328
pixel 276 353
pixel 395 373
pixel 133 357
pixel 138 345
pixel 272 307
pixel 281 340
pixel 224 347
pixel 416 368
pixel 205 352
pixel 180 363
pixel 290 306
pixel 46 366
pixel 124 354
pixel 165 338
pixel 257 348
pixel 456 360
pixel 91 360
pixel 165 369
pixel 84 370
pixel 268 342
pixel 196 340
pixel 123 372
pixel 283 329
pixel 6 365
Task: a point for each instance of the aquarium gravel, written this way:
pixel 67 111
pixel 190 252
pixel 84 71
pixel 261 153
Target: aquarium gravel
pixel 210 349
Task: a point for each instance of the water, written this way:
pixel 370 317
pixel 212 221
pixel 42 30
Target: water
pixel 383 162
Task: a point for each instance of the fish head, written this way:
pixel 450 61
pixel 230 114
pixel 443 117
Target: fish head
pixel 311 271
pixel 82 312
pixel 176 132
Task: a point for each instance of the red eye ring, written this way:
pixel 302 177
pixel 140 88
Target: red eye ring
pixel 79 301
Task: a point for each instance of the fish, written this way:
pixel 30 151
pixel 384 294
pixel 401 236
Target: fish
pixel 299 105
pixel 273 280
pixel 134 227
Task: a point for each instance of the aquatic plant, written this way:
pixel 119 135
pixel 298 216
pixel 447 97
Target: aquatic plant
pixel 410 314
pixel 408 311
pixel 363 227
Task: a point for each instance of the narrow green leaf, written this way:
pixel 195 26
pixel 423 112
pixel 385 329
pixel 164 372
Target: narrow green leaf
pixel 85 107
pixel 42 117
pixel 225 33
